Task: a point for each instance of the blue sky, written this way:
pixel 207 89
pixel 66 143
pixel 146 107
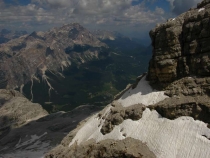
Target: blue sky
pixel 130 17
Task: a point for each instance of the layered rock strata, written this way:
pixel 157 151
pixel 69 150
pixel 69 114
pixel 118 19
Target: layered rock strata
pixel 181 46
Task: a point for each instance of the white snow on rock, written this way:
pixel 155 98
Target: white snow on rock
pixel 35 148
pixel 33 139
pixel 143 93
pixel 180 138
pixel 201 9
pixel 90 127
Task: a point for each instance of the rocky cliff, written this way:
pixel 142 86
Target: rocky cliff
pixel 181 46
pixel 144 122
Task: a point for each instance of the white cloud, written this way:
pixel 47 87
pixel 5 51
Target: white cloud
pixel 105 14
pixel 180 6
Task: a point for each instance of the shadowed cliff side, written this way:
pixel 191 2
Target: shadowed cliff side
pixel 181 46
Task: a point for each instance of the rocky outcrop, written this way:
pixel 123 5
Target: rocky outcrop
pixel 119 113
pixel 196 107
pixel 128 147
pixel 180 46
pixel 16 110
pixel 189 86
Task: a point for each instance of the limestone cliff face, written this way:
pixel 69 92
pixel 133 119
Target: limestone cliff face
pixel 181 46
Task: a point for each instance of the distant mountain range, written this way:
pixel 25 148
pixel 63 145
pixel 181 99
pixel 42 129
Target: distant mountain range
pixel 6 35
pixel 164 114
pixel 69 66
pixel 117 41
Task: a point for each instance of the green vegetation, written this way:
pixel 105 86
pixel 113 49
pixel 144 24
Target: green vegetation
pixel 94 82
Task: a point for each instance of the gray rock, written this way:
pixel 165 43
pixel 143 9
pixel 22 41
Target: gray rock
pixel 185 50
pixel 41 135
pixel 16 110
pixel 197 107
pixel 129 148
pixel 119 113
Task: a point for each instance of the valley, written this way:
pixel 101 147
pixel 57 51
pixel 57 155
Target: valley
pixel 86 74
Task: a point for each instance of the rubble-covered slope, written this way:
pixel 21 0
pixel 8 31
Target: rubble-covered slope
pixel 173 122
pixel 27 130
pixel 16 111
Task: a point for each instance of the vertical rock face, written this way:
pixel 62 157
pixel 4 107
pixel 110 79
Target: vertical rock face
pixel 181 46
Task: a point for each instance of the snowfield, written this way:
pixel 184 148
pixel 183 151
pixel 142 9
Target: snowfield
pixel 180 138
pixel 143 93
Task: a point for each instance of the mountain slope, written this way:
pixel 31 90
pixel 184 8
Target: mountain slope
pixel 117 41
pixel 67 67
pixel 172 122
pixel 40 52
pixel 32 59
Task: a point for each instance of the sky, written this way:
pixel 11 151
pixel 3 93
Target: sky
pixel 133 18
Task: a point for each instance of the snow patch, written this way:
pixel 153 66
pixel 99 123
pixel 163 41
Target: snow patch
pixel 88 130
pixel 33 148
pixel 201 9
pixel 65 64
pixel 143 93
pixel 183 137
pixel 33 139
pixel 45 79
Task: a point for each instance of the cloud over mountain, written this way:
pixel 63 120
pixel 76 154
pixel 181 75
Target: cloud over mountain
pixel 122 15
pixel 179 6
